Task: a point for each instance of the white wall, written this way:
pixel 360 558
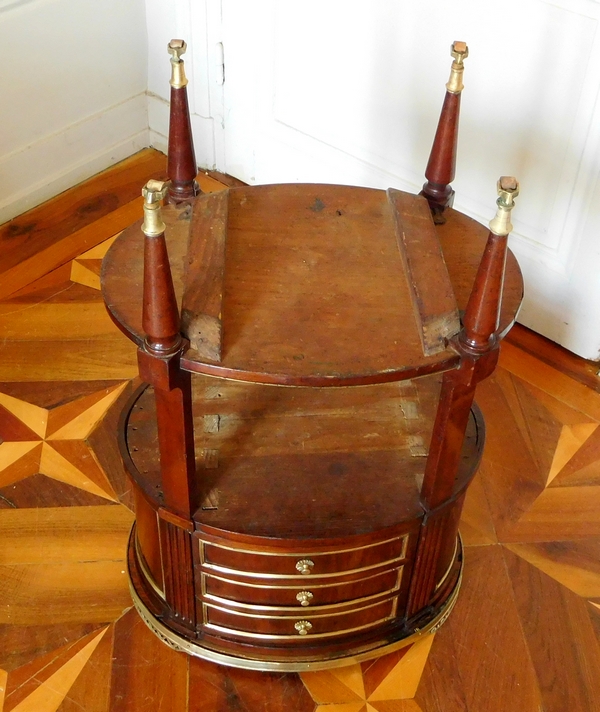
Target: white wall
pixel 349 92
pixel 73 86
pixel 196 22
pixel 334 92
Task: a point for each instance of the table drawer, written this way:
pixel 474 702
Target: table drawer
pixel 297 627
pixel 218 588
pixel 301 565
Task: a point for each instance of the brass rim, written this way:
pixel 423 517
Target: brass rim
pixel 181 644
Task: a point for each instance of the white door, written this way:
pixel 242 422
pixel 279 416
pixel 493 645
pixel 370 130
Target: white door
pixel 347 91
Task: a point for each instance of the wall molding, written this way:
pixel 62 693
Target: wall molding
pixel 41 170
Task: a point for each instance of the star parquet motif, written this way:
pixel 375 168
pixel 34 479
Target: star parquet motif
pixel 86 268
pixel 524 635
pixel 385 684
pixel 52 441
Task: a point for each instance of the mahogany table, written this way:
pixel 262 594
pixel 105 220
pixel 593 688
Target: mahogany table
pixel 301 454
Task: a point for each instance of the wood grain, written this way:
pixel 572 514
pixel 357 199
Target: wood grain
pixel 149 676
pixel 363 308
pixel 61 534
pixel 87 202
pixel 435 304
pixel 23 646
pixel 73 592
pixel 220 688
pixel 181 162
pixel 266 435
pixel 552 354
pixel 567 672
pixel 575 565
pixel 39 491
pixel 43 686
pixel 442 159
pixel 440 689
pixel 79 360
pixel 537 604
pixel 53 691
pixel 553 382
pixel 202 302
pixel 486 620
pixel 91 689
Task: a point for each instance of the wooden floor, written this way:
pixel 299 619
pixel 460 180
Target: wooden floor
pixel 525 634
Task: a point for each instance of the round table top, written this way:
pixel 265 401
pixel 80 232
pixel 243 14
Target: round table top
pixel 312 285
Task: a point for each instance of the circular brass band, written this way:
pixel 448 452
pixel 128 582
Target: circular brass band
pixel 181 644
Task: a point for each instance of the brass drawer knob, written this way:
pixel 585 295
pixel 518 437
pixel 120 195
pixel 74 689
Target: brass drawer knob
pixel 303 627
pixel 304 598
pixel 304 566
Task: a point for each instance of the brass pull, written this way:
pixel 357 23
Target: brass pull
pixel 304 598
pixel 304 566
pixel 303 627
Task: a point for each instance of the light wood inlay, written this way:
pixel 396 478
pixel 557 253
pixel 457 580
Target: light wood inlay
pixel 52 692
pixel 531 539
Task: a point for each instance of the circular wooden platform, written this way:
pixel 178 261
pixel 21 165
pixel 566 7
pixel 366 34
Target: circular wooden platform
pixel 311 284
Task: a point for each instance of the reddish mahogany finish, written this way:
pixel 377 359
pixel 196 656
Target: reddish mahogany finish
pixel 442 161
pixel 160 318
pixel 181 165
pixel 478 346
pixel 441 167
pixel 483 310
pixel 286 527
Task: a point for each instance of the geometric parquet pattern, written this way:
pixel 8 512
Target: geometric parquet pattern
pixel 524 636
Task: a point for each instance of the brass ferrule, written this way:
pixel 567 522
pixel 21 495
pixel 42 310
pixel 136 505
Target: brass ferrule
pixel 508 189
pixel 459 52
pixel 154 191
pixel 176 48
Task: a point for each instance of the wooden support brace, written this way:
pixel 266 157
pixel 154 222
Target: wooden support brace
pixel 435 306
pixel 159 361
pixel 202 304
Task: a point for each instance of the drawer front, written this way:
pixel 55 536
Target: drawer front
pixel 220 589
pixel 298 627
pixel 220 558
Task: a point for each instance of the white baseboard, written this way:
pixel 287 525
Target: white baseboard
pixel 41 170
pixel 158 141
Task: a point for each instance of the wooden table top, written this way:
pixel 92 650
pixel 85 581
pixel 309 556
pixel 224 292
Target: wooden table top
pixel 311 285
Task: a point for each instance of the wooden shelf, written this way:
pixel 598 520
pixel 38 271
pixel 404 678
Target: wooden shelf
pixel 353 290
pixel 295 463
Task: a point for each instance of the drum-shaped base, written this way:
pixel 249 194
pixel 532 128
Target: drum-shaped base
pixel 259 656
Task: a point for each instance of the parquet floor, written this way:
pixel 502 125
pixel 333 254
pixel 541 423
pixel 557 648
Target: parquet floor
pixel 525 634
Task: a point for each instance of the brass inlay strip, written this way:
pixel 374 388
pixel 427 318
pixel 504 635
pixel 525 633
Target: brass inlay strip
pixel 300 577
pixel 298 608
pixel 298 611
pixel 303 554
pixel 450 565
pixel 265 636
pixel 205 576
pixel 146 571
pixel 247 662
